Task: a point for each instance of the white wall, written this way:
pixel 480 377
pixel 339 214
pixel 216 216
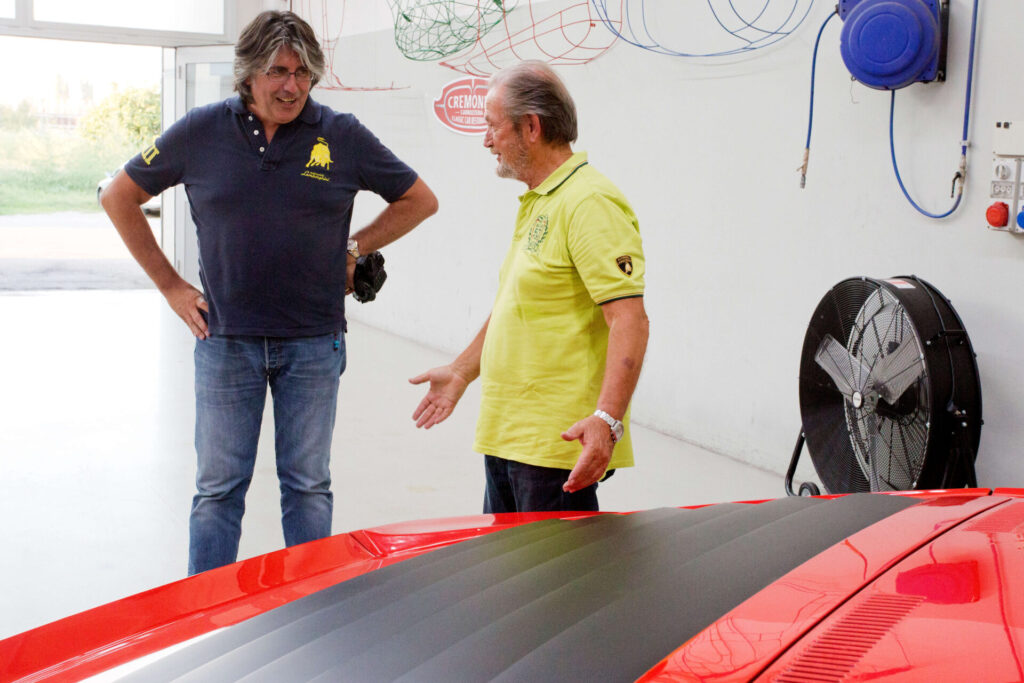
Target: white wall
pixel 738 255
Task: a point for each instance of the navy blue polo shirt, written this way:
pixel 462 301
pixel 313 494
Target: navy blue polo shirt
pixel 272 218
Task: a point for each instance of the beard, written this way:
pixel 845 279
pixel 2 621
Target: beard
pixel 515 161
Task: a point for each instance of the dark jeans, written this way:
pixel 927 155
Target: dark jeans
pixel 517 487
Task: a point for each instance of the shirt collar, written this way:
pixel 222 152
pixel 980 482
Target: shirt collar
pixel 236 105
pixel 560 175
pixel 310 113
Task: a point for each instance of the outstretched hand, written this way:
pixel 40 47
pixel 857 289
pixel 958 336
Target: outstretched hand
pixel 446 388
pixel 596 439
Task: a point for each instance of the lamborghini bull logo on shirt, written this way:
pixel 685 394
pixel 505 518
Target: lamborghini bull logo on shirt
pixel 320 156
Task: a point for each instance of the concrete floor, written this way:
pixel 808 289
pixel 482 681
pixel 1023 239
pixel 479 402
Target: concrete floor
pixel 97 462
pixel 66 250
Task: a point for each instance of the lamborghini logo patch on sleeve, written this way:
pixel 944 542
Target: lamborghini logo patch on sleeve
pixel 150 153
pixel 625 264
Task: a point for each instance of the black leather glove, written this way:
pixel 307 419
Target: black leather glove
pixel 369 277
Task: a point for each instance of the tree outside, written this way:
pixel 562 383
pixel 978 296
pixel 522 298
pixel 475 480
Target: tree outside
pixel 53 162
pixel 130 116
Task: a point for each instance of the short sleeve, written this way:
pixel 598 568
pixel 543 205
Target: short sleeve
pixel 162 164
pixel 380 171
pixel 605 246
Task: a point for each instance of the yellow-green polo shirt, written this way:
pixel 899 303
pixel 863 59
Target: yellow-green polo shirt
pixel 576 246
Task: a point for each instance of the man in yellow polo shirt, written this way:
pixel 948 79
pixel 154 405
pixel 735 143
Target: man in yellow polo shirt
pixel 560 355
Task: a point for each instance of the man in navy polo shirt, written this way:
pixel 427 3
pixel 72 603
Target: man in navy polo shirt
pixel 271 176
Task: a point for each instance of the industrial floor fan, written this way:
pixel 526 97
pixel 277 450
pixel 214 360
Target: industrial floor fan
pixel 890 397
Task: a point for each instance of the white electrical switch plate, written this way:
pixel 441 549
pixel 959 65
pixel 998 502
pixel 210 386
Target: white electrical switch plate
pixel 1008 139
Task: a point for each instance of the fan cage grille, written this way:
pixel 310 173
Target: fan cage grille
pixel 889 441
pixel 910 442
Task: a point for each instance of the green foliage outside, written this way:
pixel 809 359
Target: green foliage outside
pixel 48 170
pixel 17 118
pixel 131 115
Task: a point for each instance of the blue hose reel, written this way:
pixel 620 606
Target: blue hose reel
pixel 889 44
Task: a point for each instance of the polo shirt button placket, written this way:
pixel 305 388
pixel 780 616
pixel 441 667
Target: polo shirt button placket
pixel 256 133
pixel 264 163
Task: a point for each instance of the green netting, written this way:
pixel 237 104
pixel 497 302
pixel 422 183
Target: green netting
pixel 428 30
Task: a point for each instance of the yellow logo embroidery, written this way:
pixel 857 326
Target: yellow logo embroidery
pixel 150 153
pixel 320 155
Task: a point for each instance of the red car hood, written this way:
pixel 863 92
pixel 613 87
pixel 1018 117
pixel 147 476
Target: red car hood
pixel 880 602
pixel 932 593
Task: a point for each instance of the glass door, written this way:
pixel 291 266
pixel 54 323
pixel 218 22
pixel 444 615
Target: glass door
pixel 203 75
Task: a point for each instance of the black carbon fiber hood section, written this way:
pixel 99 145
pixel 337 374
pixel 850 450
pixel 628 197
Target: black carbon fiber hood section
pixel 597 599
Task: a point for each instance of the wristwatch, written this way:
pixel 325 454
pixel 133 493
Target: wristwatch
pixel 613 424
pixel 353 248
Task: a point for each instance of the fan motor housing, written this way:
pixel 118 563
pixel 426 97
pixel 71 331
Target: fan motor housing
pixel 935 425
pixel 889 44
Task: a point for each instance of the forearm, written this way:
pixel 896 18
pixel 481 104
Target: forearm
pixel 122 202
pixel 467 364
pixel 627 344
pixel 398 218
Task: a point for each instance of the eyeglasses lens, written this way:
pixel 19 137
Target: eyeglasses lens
pixel 279 74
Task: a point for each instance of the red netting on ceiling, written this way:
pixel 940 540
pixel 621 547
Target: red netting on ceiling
pixel 327 17
pixel 560 33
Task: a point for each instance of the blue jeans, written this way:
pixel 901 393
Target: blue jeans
pixel 232 375
pixel 517 487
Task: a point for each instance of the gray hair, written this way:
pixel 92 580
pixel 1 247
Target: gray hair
pixel 263 38
pixel 532 87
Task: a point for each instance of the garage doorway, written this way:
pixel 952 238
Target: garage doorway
pixel 67 124
pixel 90 86
pixel 203 75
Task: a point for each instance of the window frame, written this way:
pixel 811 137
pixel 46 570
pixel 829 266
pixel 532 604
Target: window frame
pixel 23 24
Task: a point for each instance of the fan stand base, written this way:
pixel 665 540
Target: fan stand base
pixel 959 472
pixel 807 488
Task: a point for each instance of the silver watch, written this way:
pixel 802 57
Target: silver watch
pixel 613 424
pixel 353 248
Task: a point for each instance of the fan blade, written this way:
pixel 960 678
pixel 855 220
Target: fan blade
pixel 876 446
pixel 895 373
pixel 863 433
pixel 848 373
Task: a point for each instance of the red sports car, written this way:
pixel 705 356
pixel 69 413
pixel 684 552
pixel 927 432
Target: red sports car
pixel 921 586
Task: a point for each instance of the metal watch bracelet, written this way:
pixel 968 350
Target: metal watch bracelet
pixel 614 425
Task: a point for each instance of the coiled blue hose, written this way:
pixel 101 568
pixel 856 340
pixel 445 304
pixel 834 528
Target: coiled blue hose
pixel 958 179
